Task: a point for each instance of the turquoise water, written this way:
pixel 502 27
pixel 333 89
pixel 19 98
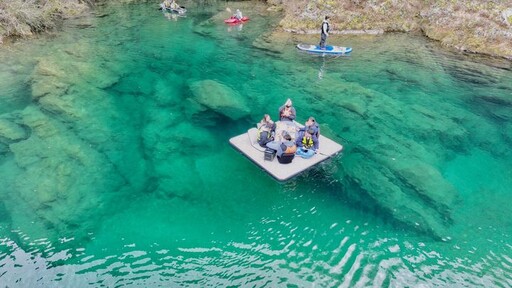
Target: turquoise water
pixel 117 172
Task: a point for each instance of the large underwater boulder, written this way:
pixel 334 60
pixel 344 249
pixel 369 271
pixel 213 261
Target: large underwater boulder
pixel 392 167
pixel 11 131
pixel 56 73
pixel 420 207
pixel 62 178
pixel 220 98
pixel 73 147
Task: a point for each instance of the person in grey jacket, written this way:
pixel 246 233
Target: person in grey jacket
pixel 287 111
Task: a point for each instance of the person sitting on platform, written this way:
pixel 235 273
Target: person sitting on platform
pixel 307 143
pixel 311 123
pixel 266 130
pixel 287 146
pixel 287 111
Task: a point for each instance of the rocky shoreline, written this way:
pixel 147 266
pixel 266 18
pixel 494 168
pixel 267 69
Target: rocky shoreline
pixel 483 27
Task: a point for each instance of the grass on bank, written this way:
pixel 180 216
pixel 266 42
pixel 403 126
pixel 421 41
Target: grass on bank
pixel 25 17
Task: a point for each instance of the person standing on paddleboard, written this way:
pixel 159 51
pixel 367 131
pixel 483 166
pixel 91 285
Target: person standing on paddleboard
pixel 324 31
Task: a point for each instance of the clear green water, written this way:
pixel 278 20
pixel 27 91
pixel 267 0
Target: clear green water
pixel 113 174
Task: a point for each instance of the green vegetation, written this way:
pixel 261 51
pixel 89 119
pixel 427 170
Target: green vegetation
pixel 469 25
pixel 476 23
pixel 24 17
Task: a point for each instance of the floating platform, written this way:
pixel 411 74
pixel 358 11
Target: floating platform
pixel 247 145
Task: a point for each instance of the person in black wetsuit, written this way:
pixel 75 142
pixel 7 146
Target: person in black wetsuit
pixel 324 32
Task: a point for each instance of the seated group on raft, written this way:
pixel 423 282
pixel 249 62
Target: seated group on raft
pixel 286 137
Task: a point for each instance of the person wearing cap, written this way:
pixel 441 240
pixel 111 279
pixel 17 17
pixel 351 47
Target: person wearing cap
pixel 311 123
pixel 287 111
pixel 266 130
pixel 324 32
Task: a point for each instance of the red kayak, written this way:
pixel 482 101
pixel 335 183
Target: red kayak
pixel 234 20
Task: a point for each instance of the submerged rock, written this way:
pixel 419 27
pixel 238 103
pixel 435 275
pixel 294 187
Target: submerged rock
pixel 274 41
pixel 14 92
pixel 496 99
pixel 56 74
pixel 427 182
pixel 220 98
pixel 68 145
pixel 390 170
pixel 404 197
pixel 63 177
pixel 507 133
pixel 11 131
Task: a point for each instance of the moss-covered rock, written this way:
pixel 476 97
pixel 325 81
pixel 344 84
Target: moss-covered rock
pixel 507 16
pixel 378 189
pixel 220 98
pixel 22 18
pixel 469 25
pixel 11 131
pixel 61 173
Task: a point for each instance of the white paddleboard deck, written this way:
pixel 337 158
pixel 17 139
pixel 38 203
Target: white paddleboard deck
pixel 329 49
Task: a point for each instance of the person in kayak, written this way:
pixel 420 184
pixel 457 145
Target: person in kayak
pixel 174 5
pixel 324 32
pixel 166 4
pixel 238 14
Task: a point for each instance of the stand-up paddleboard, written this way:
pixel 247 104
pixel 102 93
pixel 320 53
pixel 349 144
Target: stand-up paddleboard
pixel 333 50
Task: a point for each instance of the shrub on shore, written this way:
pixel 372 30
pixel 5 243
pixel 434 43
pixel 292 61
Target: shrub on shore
pixel 469 25
pixel 24 17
